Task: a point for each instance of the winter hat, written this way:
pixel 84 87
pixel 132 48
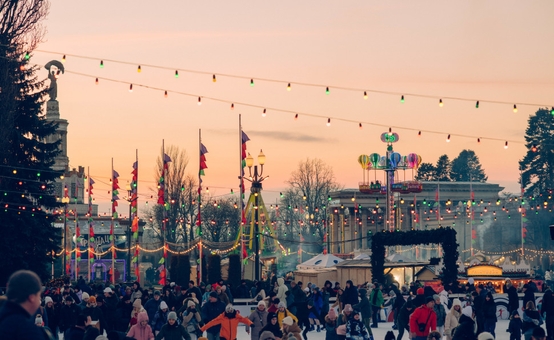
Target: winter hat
pixel 172 284
pixel 48 299
pixel 172 316
pixel 488 336
pixel 68 298
pixel 429 299
pixel 108 290
pixel 38 320
pixel 229 308
pixel 390 336
pixel 538 332
pixel 348 308
pixel 282 304
pixel 470 280
pixel 137 303
pixel 99 298
pixel 456 302
pixel 311 303
pixel 213 294
pixel 85 296
pixel 288 321
pixel 101 337
pixel 515 312
pixel 306 289
pixel 191 303
pixel 157 292
pixel 419 291
pixel 332 314
pixel 391 293
pixel 468 311
pixel 436 297
pixel 261 303
pixel 163 305
pixel 92 299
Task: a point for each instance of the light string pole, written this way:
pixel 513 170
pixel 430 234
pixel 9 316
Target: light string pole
pixel 256 179
pixel 130 199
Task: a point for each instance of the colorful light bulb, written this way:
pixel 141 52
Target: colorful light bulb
pixel 176 73
pixel 139 69
pixel 101 63
pixel 448 139
pixel 402 99
pixel 506 145
pixel 264 113
pixel 288 87
pixel 96 82
pixel 63 59
pixel 251 82
pixel 165 94
pixel 365 95
pixel 477 105
pixel 199 101
pixel 360 125
pixel 232 106
pixel 296 116
pixel 327 90
pixel 328 121
pixel 131 88
pixel 515 108
pixel 440 103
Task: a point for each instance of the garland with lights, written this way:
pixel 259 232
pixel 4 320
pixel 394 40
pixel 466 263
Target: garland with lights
pixel 446 237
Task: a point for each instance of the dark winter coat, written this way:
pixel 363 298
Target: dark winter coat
pixel 68 316
pixel 275 329
pixel 175 332
pixel 465 329
pixel 528 295
pixel 210 311
pixel 441 314
pixel 16 323
pixel 96 315
pixel 331 329
pixel 515 328
pixel 350 295
pixel 356 328
pixel 404 315
pixel 363 306
pixel 513 299
pixel 528 324
pixel 53 317
pixel 489 310
pixel 151 307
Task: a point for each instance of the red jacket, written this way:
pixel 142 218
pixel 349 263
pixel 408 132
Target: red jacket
pixel 423 315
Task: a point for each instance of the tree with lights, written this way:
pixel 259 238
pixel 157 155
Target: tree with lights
pixel 26 176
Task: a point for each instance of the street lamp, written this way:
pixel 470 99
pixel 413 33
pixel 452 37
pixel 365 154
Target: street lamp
pixel 129 199
pixel 256 179
pixel 65 201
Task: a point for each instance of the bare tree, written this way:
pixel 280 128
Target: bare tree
pixel 21 22
pixel 312 182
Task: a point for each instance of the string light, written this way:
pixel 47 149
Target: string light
pixel 264 113
pixel 101 63
pixel 327 90
pixel 419 134
pixel 251 82
pixel 515 108
pixel 27 56
pixel 402 99
pixel 139 69
pixel 176 73
pixel 288 87
pixel 440 103
pixel 360 125
pixel 478 140
pixel 365 95
pixel 63 59
pixel 506 145
pixel 552 110
pixel 96 82
pixel 328 121
pixel 165 94
pixel 448 139
pixel 232 106
pixel 296 116
pixel 213 78
pixel 131 88
pixel 534 148
pixel 477 105
pixel 199 101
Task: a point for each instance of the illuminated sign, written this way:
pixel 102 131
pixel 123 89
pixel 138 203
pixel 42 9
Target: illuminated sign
pixel 484 270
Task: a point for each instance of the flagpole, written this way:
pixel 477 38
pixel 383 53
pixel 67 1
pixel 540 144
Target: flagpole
pixel 199 221
pixel 241 184
pixel 112 231
pixel 135 189
pixel 90 222
pixel 164 223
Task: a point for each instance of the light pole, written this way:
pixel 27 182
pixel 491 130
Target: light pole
pixel 129 199
pixel 65 201
pixel 256 179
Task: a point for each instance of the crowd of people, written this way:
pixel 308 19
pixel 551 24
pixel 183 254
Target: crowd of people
pixel 284 311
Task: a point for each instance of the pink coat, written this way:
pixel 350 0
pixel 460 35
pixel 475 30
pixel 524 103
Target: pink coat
pixel 140 332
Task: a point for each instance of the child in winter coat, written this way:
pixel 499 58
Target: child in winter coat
pixel 331 325
pixel 355 329
pixel 364 307
pixel 141 330
pixel 514 326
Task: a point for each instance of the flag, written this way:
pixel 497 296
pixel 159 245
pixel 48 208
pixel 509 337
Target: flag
pixel 203 152
pixel 90 222
pixel 161 183
pixel 244 139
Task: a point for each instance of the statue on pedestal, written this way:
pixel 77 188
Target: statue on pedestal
pixel 54 68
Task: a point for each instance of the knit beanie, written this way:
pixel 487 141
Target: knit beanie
pixel 468 311
pixel 332 314
pixel 288 321
pixel 163 305
pixel 172 316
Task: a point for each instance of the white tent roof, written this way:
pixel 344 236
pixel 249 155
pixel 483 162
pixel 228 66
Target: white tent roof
pixel 396 258
pixel 320 261
pixel 362 256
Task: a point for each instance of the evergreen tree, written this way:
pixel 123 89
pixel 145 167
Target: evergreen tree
pixel 214 269
pixel 537 166
pixel 443 169
pixel 426 172
pixel 467 168
pixel 26 177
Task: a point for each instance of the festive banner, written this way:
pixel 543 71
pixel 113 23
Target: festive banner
pixel 134 212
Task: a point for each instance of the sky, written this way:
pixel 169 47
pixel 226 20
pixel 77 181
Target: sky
pixel 497 51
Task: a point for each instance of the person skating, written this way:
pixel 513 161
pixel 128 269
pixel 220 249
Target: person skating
pixel 291 329
pixel 452 318
pixel 211 310
pixel 192 319
pixel 355 328
pixel 172 330
pixel 489 311
pixel 404 318
pixel 272 326
pixel 423 320
pixel 514 327
pixel 364 307
pixel 466 327
pixel 259 320
pixel 440 311
pixel 229 321
pixel 283 312
pixel 331 324
pixel 141 330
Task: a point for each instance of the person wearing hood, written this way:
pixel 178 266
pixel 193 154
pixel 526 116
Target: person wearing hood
pixel 267 335
pixel 376 300
pixel 423 320
pixel 364 307
pixel 489 311
pixel 137 291
pixel 124 308
pixel 229 321
pixel 151 306
pixel 291 329
pixel 259 320
pixel 283 312
pixel 528 294
pixel 172 330
pixel 272 325
pixel 440 311
pixel 514 327
pixel 160 318
pixel 452 318
pixel 404 318
pixel 141 330
pixel 350 295
pixel 396 306
pixel 548 309
pixel 419 299
pixel 137 308
pixel 282 290
pixel 467 326
pixel 110 301
pixel 355 328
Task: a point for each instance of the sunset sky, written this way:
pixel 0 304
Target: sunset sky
pixel 478 50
